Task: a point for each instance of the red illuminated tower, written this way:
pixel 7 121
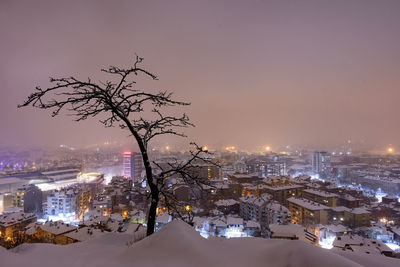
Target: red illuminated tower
pixel 128 164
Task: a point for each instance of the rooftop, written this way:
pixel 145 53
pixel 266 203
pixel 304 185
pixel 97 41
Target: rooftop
pixel 84 234
pixel 57 228
pixel 320 193
pixel 14 218
pixel 307 204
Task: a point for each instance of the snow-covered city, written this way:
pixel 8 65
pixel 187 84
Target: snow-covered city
pixel 199 133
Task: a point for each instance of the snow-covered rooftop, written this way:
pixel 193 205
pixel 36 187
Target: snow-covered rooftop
pixel 84 234
pixel 234 221
pixel 14 218
pixel 57 228
pixel 319 193
pixel 308 204
pixel 226 202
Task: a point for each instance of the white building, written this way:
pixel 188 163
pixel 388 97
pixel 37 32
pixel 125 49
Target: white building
pixel 321 162
pixel 252 207
pixel 61 203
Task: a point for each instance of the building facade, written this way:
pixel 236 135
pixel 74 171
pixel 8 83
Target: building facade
pixel 321 163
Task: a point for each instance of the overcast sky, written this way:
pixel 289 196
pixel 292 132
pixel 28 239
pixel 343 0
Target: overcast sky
pixel 256 72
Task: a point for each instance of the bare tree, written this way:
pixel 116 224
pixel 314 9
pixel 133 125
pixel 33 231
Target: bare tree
pixel 183 172
pixel 119 103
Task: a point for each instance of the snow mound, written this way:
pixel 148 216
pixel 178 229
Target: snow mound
pixel 177 244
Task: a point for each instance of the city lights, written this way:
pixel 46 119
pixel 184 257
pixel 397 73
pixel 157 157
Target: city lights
pixel 383 220
pixel 327 243
pixel 273 123
pixel 230 148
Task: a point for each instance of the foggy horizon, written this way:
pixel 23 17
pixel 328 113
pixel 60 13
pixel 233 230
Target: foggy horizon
pixel 276 73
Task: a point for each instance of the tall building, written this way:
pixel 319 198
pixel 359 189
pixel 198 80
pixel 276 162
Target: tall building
pixel 275 168
pixel 12 226
pixel 30 198
pixel 206 171
pixel 69 202
pixel 133 165
pixel 307 212
pixel 6 201
pixel 321 162
pixel 61 203
pixel 138 166
pixel 266 168
pixel 127 164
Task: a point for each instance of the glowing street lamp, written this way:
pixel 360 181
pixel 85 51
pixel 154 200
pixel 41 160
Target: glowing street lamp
pixel 188 208
pixel 267 148
pixel 390 150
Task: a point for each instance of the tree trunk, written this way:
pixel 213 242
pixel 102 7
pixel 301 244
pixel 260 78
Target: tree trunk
pixel 151 219
pixel 154 192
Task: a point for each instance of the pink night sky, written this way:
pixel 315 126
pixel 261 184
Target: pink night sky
pixel 256 72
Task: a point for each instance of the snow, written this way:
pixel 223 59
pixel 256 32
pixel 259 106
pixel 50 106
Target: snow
pixel 60 171
pixel 359 211
pixel 163 218
pixel 116 217
pixel 360 245
pixel 14 218
pixel 251 224
pixel 308 204
pixel 368 260
pixel 288 230
pixel 57 228
pixel 393 246
pixel 12 180
pixel 234 221
pixel 177 244
pixel 319 193
pixel 84 234
pixel 226 202
pixel 13 210
pixel 338 228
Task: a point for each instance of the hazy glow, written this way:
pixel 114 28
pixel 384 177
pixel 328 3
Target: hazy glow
pixel 290 72
pixel 89 177
pixel 383 220
pixel 379 194
pixel 56 186
pixel 230 148
pixel 233 232
pixel 393 246
pixel 316 177
pixel 67 218
pixel 327 243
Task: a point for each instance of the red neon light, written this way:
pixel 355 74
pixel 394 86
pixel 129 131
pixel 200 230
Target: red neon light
pixel 127 152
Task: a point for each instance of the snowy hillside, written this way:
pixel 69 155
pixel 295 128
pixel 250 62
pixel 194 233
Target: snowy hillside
pixel 177 244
